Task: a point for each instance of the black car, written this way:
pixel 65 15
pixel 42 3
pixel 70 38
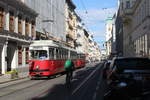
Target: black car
pixel 106 69
pixel 131 66
pixel 129 78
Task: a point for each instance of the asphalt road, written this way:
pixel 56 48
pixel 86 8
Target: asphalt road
pixel 87 84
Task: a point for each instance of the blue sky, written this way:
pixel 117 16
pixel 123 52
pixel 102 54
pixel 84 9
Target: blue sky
pixel 94 19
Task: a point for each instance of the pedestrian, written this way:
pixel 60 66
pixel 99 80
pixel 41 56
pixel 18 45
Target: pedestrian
pixel 69 67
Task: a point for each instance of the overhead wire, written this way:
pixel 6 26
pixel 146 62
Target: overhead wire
pixel 84 6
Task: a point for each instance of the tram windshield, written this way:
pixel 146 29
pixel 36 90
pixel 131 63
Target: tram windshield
pixel 38 54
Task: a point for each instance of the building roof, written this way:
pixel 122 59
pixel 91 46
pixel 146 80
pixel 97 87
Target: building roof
pixel 71 4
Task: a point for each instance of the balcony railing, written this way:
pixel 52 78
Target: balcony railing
pixel 128 11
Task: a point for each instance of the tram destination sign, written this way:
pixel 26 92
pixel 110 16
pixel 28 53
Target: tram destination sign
pixel 37 48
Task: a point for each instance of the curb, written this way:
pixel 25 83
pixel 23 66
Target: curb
pixel 11 80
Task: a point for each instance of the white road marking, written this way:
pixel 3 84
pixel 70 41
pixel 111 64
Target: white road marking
pixel 94 96
pixel 97 88
pixel 84 81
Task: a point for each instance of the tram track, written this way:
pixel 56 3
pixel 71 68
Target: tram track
pixel 11 90
pixel 54 89
pixel 39 86
pixel 9 84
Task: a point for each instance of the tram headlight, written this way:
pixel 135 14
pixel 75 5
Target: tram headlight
pixel 37 67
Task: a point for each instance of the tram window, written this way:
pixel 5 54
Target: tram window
pixel 57 54
pixel 60 54
pixel 63 54
pixel 70 54
pixel 51 53
pixel 38 54
pixel 66 54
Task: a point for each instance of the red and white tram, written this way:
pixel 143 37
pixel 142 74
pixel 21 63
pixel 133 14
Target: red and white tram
pixel 47 58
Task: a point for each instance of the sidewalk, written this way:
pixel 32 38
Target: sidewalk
pixel 7 78
pixel 22 73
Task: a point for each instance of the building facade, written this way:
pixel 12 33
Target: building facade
pixel 109 36
pixel 71 23
pixel 50 23
pixel 17 30
pixel 119 33
pixel 136 28
pixel 113 47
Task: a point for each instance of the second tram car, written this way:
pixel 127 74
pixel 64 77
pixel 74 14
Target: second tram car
pixel 47 58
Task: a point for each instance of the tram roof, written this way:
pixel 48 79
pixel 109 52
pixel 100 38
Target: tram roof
pixel 49 43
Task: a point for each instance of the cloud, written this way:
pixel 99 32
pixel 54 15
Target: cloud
pixel 95 19
pixel 96 15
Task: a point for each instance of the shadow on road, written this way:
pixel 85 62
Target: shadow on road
pixel 61 91
pixel 47 78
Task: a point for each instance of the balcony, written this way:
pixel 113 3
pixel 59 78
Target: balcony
pixel 70 36
pixel 128 11
pixel 127 20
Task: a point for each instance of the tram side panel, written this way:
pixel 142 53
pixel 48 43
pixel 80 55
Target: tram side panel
pixel 42 68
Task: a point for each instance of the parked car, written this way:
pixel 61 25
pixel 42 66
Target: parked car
pixel 121 67
pixel 106 69
pixel 129 78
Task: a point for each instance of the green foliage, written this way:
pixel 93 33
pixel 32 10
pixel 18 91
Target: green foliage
pixel 14 73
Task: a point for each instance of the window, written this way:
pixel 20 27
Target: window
pixel 51 53
pixel 57 54
pixel 78 35
pixel 33 29
pixel 127 4
pixel 39 54
pixel 27 55
pixel 1 18
pixel 11 23
pixel 19 55
pixel 133 63
pixel 66 54
pixel 19 25
pixel 27 27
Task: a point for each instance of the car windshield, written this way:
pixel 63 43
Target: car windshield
pixel 38 54
pixel 133 63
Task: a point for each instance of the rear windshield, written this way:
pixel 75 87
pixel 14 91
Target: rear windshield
pixel 133 63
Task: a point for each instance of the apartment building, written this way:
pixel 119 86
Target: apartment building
pixel 119 33
pixel 136 27
pixel 50 23
pixel 109 36
pixel 17 30
pixel 71 23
